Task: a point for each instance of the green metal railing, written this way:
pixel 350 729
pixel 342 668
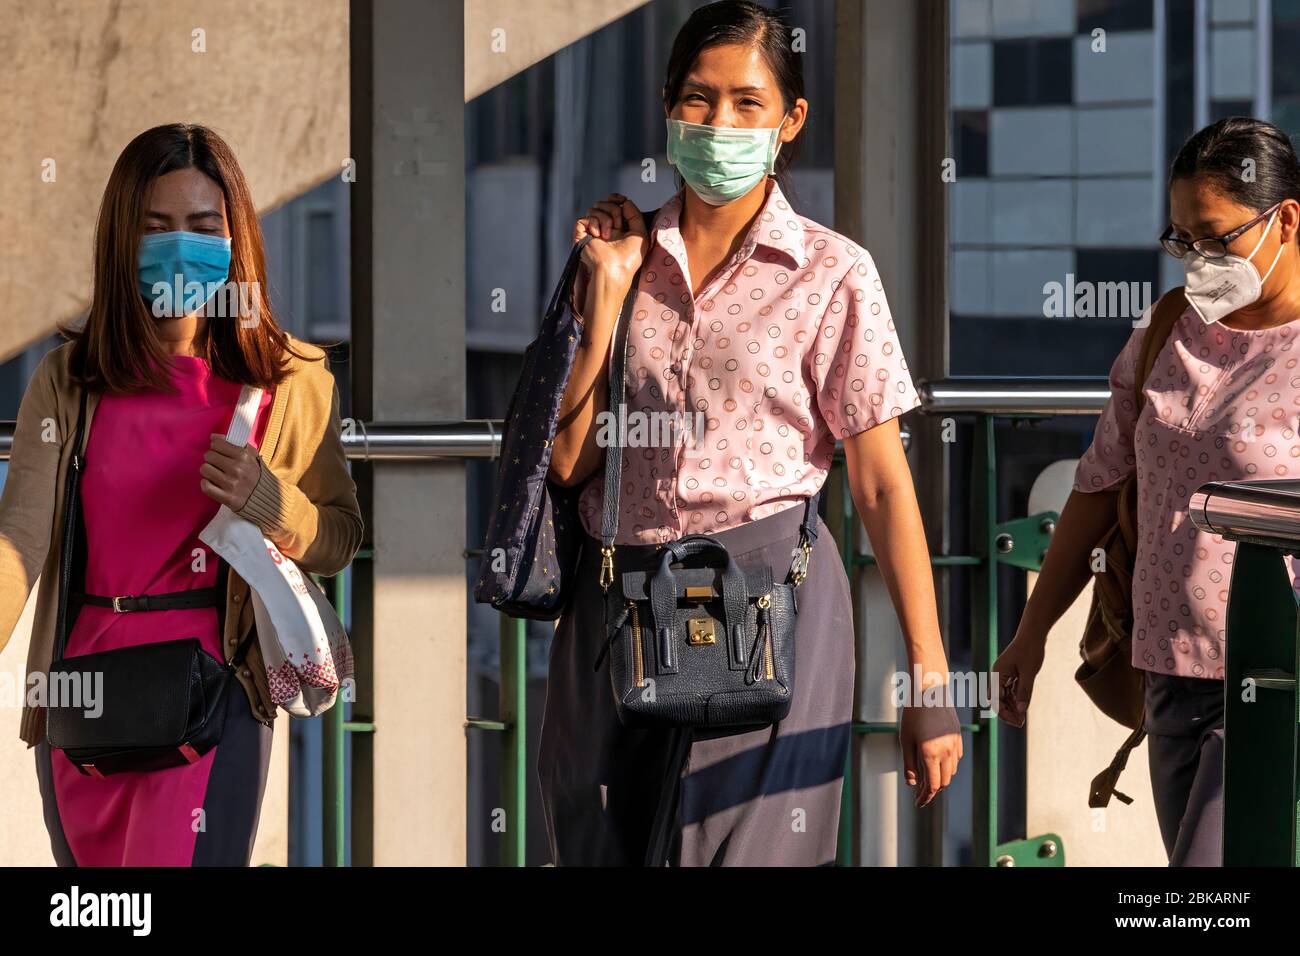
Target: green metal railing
pixel 1262 775
pixel 1020 543
pixel 512 724
pixel 1261 761
pixel 335 728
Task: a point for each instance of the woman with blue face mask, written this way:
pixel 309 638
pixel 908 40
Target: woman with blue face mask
pixel 769 336
pixel 1218 402
pixel 179 329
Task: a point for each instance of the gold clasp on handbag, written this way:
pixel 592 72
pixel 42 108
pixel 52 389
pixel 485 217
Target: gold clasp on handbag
pixel 699 631
pixel 606 568
pixel 700 592
pixel 799 570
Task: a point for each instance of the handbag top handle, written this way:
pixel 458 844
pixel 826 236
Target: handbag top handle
pixel 614 453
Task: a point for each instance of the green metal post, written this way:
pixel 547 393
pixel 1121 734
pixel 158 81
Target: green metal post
pixel 514 754
pixel 333 764
pixel 1260 712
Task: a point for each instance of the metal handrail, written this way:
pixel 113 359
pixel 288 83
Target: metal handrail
pixel 391 441
pixel 481 438
pixel 999 395
pixel 419 441
pixel 1266 511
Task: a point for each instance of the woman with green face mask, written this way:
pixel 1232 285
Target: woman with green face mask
pixel 768 336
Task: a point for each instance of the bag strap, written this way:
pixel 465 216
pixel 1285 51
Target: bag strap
pixel 242 422
pixel 1102 787
pixel 1168 310
pixel 244 416
pixel 71 501
pixel 659 846
pixel 614 453
pixel 618 405
pixel 238 433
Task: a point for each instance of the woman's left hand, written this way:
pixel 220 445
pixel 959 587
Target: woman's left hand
pixel 230 472
pixel 929 765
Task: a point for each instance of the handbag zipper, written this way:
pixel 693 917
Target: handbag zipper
pixel 638 659
pixel 764 603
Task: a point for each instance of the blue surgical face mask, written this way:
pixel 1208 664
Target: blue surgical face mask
pixel 174 265
pixel 721 163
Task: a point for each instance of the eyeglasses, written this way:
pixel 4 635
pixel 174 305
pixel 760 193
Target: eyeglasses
pixel 1211 247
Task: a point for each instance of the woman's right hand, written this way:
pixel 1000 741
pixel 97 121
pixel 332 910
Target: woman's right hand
pixel 619 239
pixel 1016 668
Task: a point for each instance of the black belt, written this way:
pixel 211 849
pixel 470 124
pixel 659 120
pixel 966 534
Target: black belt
pixel 172 601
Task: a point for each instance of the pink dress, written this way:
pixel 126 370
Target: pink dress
pixel 736 397
pixel 1221 405
pixel 143 510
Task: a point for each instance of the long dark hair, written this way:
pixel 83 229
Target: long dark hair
pixel 1223 152
pixel 748 24
pixel 119 349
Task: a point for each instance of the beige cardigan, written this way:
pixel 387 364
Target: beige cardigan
pixel 305 501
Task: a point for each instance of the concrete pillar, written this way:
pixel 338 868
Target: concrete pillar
pixel 124 67
pixel 408 269
pixel 890 120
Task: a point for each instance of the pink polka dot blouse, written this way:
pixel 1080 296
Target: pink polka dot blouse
pixel 1221 405
pixel 735 397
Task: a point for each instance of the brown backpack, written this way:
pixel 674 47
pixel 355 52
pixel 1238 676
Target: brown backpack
pixel 1107 674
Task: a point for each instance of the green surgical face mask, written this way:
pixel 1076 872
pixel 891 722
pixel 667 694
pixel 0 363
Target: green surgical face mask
pixel 721 163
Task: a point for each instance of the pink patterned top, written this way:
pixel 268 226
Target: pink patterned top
pixel 1221 405
pixel 736 396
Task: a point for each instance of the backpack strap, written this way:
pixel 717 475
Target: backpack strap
pixel 1164 317
pixel 1102 787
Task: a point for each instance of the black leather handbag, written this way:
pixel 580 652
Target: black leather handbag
pixel 709 646
pixel 534 536
pixel 146 707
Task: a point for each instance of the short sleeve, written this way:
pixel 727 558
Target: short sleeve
pixel 1110 458
pixel 858 369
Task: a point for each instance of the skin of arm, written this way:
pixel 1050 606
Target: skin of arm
pixel 576 454
pixel 1066 569
pixel 609 265
pixel 881 485
pixel 28 502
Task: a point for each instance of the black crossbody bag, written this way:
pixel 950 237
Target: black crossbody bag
pixel 154 705
pixel 710 645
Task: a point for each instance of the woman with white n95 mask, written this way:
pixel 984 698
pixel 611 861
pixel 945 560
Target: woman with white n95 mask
pixel 1218 403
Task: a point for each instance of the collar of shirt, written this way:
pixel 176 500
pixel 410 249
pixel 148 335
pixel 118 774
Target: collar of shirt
pixel 775 208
